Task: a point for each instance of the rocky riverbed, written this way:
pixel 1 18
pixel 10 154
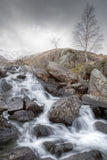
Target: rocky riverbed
pixel 51 113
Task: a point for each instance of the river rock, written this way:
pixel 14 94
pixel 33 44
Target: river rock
pixel 22 116
pixel 98 84
pixel 92 155
pixel 32 105
pixel 21 77
pixel 4 85
pixel 42 130
pixel 3 106
pixel 95 101
pixel 2 72
pixel 102 127
pixel 58 148
pixel 65 110
pixel 61 73
pixel 7 135
pixel 48 158
pixel 14 104
pixel 23 153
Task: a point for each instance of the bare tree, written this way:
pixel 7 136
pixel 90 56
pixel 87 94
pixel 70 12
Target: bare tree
pixel 55 41
pixel 87 34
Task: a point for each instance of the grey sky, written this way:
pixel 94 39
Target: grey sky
pixel 30 24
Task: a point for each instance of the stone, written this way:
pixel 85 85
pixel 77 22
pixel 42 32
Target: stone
pixel 95 101
pixel 14 104
pixel 102 127
pixel 3 106
pixel 22 116
pixel 42 131
pixel 61 73
pixel 21 77
pixel 4 85
pixel 71 91
pixel 82 88
pixel 2 72
pixel 41 73
pixel 48 158
pixel 7 135
pixel 23 153
pixel 58 148
pixel 65 110
pixel 32 105
pixel 86 71
pixel 92 155
pixel 97 84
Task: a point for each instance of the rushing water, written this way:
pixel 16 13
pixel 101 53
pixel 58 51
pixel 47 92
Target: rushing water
pixel 82 134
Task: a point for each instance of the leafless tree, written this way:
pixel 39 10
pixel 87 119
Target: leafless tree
pixel 55 41
pixel 87 33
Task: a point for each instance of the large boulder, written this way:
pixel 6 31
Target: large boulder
pixel 98 84
pixel 65 110
pixel 14 104
pixel 22 116
pixel 92 155
pixel 61 73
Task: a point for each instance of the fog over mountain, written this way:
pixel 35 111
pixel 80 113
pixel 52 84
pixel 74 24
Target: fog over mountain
pixel 31 24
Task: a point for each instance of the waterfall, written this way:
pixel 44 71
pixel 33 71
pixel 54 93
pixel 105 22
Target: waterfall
pixel 83 133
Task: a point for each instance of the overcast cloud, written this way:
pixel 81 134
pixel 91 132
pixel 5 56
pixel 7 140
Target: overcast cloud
pixel 30 24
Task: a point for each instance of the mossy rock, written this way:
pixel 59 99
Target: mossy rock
pixel 77 69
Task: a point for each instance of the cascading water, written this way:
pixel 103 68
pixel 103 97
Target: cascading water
pixel 82 134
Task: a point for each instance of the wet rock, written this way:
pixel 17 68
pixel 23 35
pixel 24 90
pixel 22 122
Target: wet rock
pixel 61 73
pixel 4 123
pixel 92 155
pixel 3 106
pixel 4 85
pixel 95 101
pixel 42 130
pixel 22 116
pixel 65 110
pixel 21 77
pixel 98 84
pixel 58 148
pixel 14 104
pixel 32 105
pixel 7 135
pixel 55 89
pixel 102 127
pixel 48 158
pixel 2 72
pixel 23 153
